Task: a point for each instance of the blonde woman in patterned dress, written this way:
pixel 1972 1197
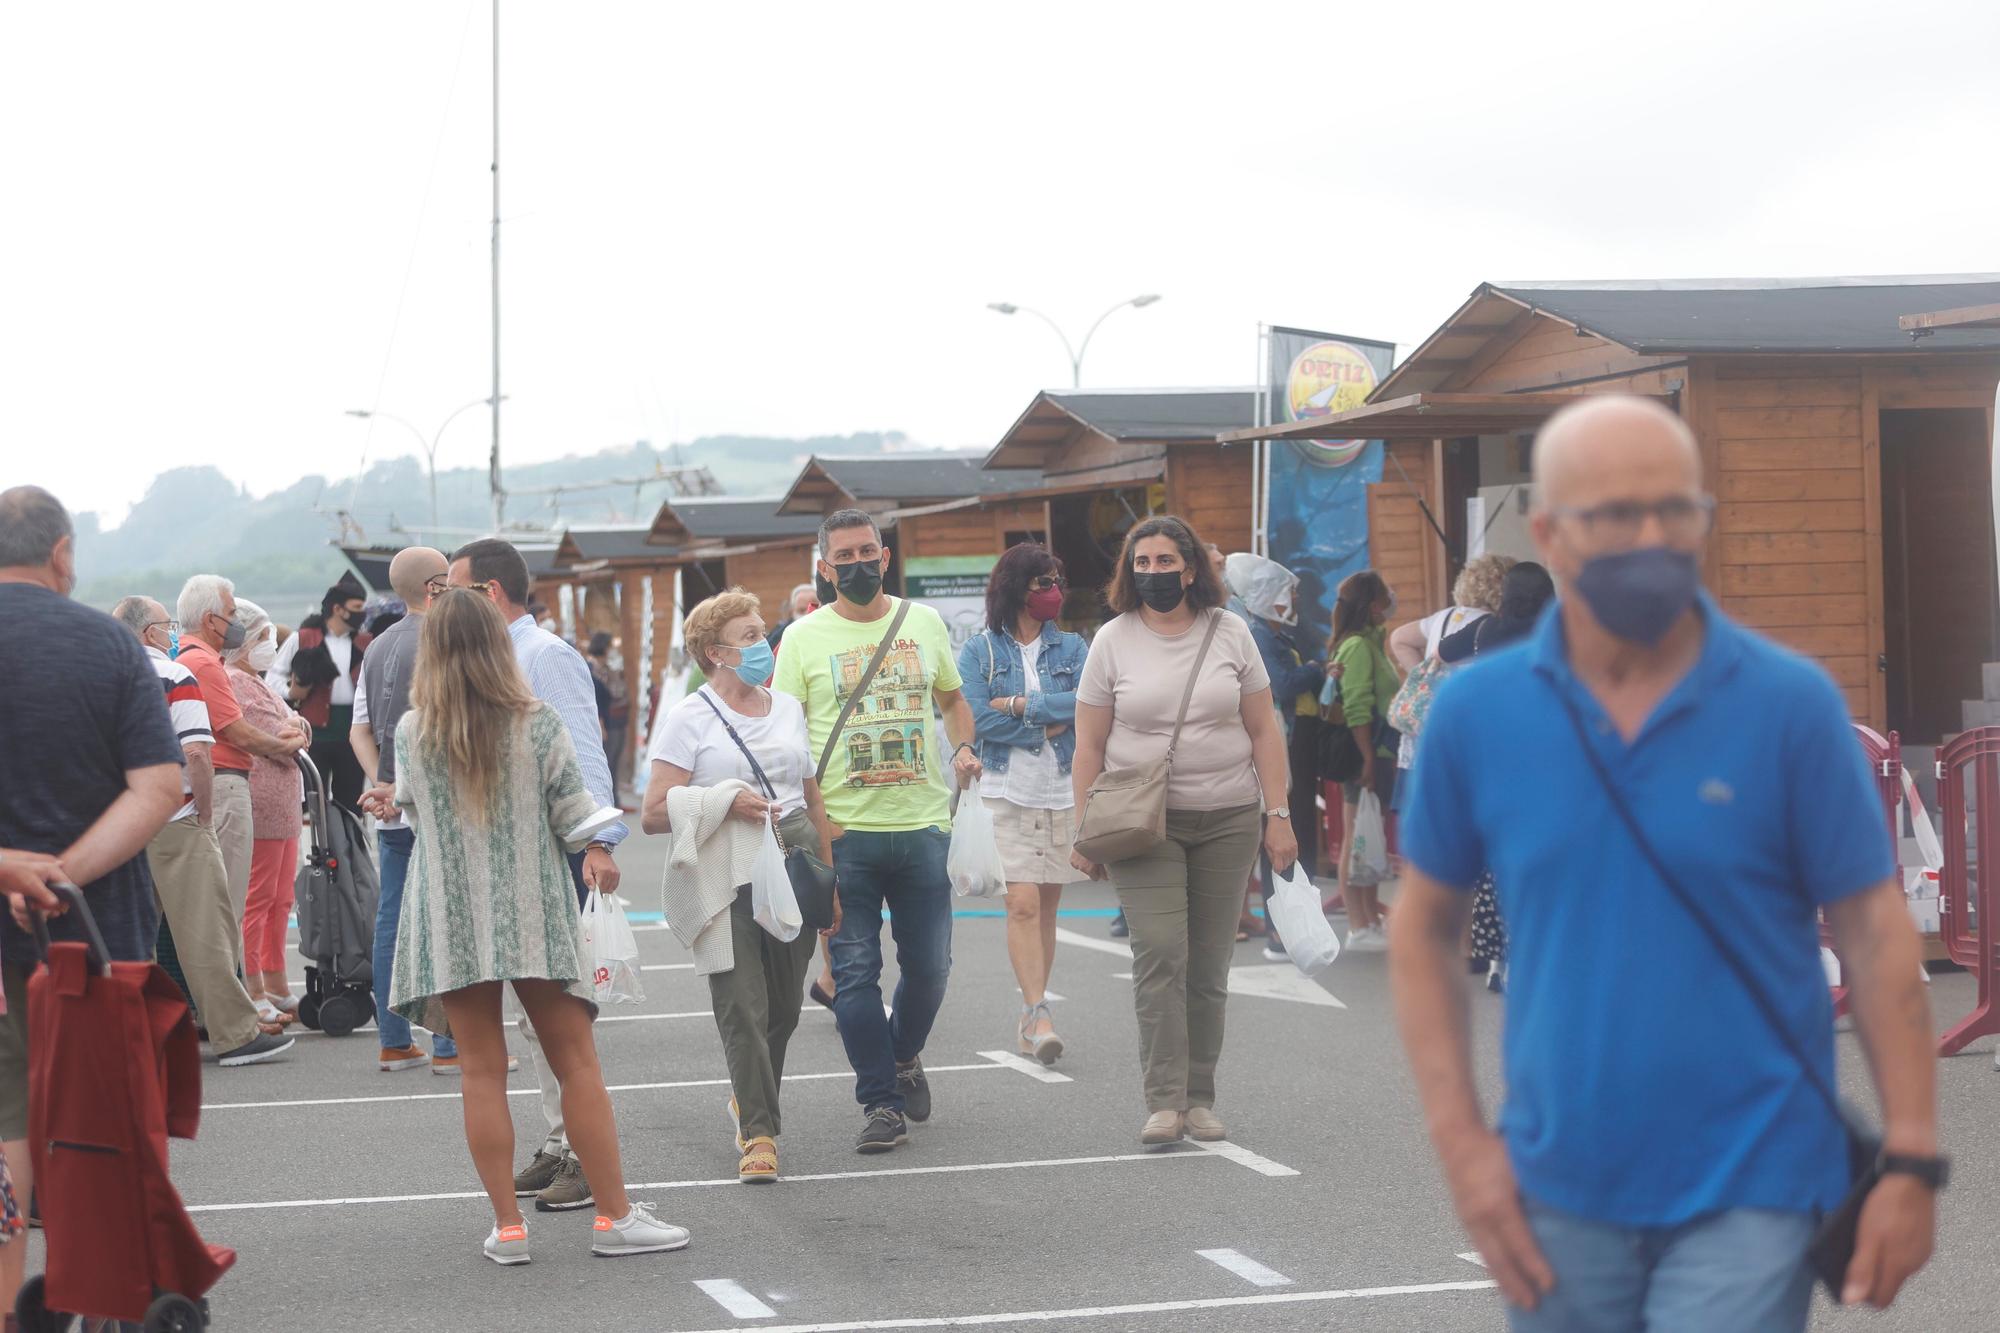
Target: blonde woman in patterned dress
pixel 490 781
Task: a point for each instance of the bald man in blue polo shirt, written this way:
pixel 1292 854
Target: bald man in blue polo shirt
pixel 1663 1156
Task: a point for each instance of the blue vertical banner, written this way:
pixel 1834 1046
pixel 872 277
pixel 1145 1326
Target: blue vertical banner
pixel 1316 499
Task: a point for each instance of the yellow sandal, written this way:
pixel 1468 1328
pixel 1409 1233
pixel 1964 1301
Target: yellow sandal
pixel 760 1161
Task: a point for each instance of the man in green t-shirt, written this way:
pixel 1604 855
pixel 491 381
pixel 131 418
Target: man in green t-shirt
pixel 881 788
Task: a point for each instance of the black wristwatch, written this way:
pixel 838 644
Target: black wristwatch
pixel 1933 1171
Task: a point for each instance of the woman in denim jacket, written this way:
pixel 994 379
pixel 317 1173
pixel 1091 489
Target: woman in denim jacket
pixel 1020 678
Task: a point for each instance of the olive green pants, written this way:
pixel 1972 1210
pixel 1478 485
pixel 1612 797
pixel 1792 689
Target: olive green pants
pixel 757 1001
pixel 1182 901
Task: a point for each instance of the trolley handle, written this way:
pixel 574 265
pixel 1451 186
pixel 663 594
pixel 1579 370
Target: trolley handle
pixel 100 953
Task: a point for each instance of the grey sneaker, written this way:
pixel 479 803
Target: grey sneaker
pixel 508 1245
pixel 258 1049
pixel 533 1178
pixel 568 1192
pixel 885 1130
pixel 916 1090
pixel 638 1233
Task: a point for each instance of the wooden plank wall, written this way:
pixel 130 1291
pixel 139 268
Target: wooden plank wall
pixel 1210 486
pixel 1401 546
pixel 1549 355
pixel 979 530
pixel 771 574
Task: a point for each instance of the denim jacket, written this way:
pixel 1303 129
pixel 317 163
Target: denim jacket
pixel 991 667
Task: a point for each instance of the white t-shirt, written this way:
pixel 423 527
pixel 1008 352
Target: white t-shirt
pixel 1034 781
pixel 340 647
pixel 692 737
pixel 361 720
pixel 1436 626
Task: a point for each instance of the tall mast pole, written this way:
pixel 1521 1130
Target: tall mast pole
pixel 493 464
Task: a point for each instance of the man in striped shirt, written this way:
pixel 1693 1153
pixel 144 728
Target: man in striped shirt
pixel 186 860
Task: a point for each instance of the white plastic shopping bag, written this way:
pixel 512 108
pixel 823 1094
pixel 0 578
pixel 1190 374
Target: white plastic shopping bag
pixel 771 899
pixel 1370 841
pixel 1302 927
pixel 973 862
pixel 613 953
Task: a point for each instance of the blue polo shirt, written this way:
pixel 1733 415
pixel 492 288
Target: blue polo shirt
pixel 1644 1086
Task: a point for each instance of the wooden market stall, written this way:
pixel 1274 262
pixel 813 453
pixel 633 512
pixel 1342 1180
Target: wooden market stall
pixel 1851 463
pixel 731 541
pixel 621 583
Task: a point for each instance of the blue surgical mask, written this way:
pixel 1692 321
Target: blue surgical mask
pixel 755 663
pixel 1639 595
pixel 173 641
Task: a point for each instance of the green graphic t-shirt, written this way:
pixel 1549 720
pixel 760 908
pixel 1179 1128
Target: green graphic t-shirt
pixel 880 778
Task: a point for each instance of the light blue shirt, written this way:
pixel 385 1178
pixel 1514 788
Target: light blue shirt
pixel 560 678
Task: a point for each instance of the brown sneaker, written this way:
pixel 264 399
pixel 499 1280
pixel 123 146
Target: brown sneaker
pixel 568 1191
pixel 1205 1126
pixel 394 1058
pixel 1162 1127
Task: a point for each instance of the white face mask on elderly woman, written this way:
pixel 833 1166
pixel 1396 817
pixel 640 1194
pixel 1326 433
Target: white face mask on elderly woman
pixel 260 656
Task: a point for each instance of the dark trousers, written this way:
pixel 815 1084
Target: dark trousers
pixel 333 755
pixel 903 871
pixel 1303 753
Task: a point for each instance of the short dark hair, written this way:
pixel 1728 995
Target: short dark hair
pixel 1007 585
pixel 600 643
pixel 1206 590
pixel 840 520
pixel 32 523
pixel 496 561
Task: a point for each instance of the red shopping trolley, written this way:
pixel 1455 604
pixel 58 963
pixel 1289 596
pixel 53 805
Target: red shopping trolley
pixel 114 1069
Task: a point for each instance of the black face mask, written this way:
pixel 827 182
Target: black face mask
pixel 824 587
pixel 1160 589
pixel 860 580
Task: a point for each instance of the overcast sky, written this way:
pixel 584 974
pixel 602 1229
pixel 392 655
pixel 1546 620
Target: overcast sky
pixel 223 224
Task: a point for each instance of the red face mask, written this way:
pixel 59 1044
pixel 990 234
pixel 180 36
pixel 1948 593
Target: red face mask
pixel 1045 603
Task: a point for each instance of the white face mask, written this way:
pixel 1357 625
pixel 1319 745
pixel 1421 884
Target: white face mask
pixel 260 656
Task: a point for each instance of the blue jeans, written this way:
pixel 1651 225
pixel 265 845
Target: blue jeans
pixel 392 856
pixel 1740 1271
pixel 904 870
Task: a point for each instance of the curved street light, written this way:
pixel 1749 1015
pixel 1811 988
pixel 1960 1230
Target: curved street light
pixel 1075 352
pixel 429 446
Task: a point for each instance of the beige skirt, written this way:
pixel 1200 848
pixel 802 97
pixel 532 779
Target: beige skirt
pixel 1034 844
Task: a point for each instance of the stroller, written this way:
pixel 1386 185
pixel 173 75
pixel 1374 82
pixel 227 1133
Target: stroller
pixel 115 1069
pixel 336 891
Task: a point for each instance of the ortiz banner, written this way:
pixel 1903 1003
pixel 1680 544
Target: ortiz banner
pixel 1316 503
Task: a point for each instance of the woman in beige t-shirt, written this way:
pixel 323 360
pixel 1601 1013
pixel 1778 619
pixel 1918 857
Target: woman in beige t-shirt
pixel 1227 783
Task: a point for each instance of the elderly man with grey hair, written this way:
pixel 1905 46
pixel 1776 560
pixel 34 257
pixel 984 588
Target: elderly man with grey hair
pixel 209 624
pixel 92 772
pixel 186 859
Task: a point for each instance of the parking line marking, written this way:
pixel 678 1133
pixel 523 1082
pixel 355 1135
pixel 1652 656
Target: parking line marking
pixel 1067 936
pixel 1242 1156
pixel 731 1181
pixel 1246 1268
pixel 453 1096
pixel 1114 1311
pixel 1034 1069
pixel 1472 1257
pixel 601 1018
pixel 731 1297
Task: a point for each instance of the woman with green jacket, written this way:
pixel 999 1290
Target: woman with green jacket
pixel 1368 681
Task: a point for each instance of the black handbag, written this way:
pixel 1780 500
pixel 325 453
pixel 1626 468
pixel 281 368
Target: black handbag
pixel 1338 755
pixel 1831 1249
pixel 813 882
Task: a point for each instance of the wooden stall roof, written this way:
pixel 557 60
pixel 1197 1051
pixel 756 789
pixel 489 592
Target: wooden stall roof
pixel 1420 416
pixel 881 482
pixel 1057 417
pixel 622 546
pixel 1667 319
pixel 372 562
pixel 1965 317
pixel 728 521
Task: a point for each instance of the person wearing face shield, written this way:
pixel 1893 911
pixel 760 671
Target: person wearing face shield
pixel 1668 803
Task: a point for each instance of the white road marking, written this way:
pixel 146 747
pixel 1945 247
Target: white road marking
pixel 1065 935
pixel 731 1297
pixel 1279 981
pixel 732 1181
pixel 1034 1069
pixel 1242 1156
pixel 452 1096
pixel 1472 1257
pixel 1116 1311
pixel 602 1017
pixel 1246 1268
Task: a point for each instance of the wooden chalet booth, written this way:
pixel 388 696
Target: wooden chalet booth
pixel 621 583
pixel 745 542
pixel 1851 463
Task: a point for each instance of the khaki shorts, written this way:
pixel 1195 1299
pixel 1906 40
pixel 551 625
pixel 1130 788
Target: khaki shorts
pixel 1034 844
pixel 14 1055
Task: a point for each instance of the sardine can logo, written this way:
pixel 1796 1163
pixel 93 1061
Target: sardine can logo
pixel 1326 378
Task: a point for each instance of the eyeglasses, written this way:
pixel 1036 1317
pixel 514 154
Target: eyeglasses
pixel 173 625
pixel 1043 582
pixel 436 584
pixel 1683 519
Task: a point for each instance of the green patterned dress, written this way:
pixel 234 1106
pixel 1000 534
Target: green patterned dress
pixel 489 900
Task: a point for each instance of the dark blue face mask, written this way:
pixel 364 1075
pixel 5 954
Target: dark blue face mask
pixel 1639 595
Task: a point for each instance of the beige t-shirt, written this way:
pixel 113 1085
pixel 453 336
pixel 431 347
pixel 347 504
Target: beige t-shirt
pixel 1140 674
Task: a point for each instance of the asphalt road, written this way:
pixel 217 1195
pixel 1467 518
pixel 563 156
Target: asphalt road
pixel 1026 1199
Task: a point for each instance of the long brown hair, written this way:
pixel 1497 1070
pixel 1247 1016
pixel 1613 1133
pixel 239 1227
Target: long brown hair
pixel 1354 605
pixel 469 693
pixel 1204 592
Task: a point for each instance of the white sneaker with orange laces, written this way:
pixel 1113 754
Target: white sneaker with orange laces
pixel 508 1245
pixel 638 1232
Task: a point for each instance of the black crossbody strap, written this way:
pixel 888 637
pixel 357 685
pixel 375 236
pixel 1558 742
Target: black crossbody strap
pixel 1716 936
pixel 755 767
pixel 861 688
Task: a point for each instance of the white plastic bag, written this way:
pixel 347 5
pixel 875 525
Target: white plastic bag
pixel 613 953
pixel 974 859
pixel 1302 927
pixel 1368 849
pixel 771 899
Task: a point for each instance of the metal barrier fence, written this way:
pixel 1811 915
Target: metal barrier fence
pixel 1969 902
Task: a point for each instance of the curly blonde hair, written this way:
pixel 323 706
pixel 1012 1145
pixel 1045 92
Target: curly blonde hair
pixel 705 622
pixel 1479 582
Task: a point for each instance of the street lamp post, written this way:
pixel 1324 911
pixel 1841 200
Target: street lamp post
pixel 429 446
pixel 1075 352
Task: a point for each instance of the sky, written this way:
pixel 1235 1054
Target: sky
pixel 223 225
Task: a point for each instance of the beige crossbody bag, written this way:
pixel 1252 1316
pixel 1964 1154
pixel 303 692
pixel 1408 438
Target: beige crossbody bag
pixel 1125 810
